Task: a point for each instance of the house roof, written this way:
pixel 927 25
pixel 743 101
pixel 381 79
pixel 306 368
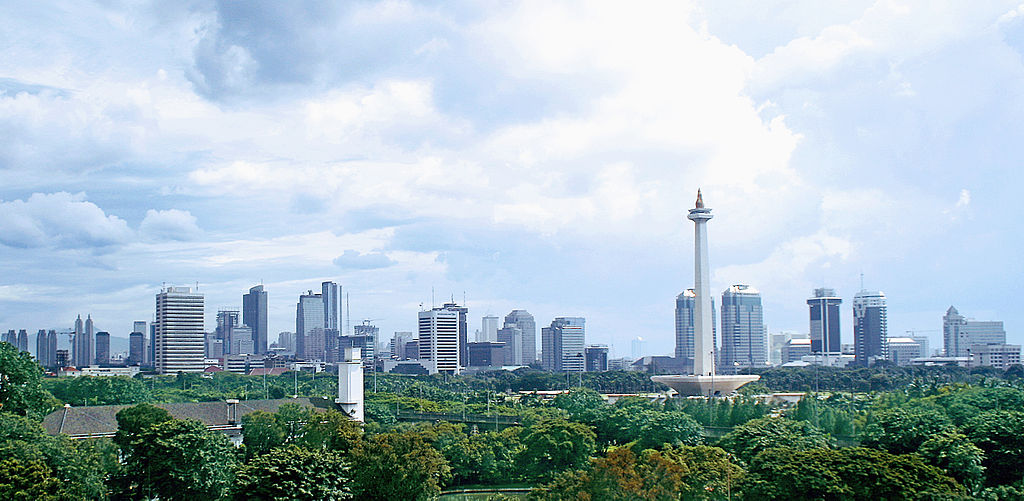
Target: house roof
pixel 101 419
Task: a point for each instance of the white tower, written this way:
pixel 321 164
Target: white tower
pixel 703 338
pixel 350 385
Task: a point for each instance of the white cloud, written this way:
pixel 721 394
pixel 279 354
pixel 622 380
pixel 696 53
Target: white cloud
pixel 351 259
pixel 60 220
pixel 171 224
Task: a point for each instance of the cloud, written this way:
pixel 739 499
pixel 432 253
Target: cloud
pixel 59 220
pixel 363 261
pixel 171 224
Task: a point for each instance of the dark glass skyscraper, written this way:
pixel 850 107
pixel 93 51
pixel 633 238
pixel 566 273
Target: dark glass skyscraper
pixel 685 308
pixel 824 331
pixel 870 327
pixel 331 294
pixel 102 348
pixel 743 338
pixel 254 314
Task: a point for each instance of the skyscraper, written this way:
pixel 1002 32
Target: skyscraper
pixel 513 349
pixel 309 314
pixel 102 348
pixel 685 314
pixel 365 337
pixel 136 347
pixel 463 312
pixel 959 334
pixel 51 353
pixel 564 344
pixel 227 321
pixel 179 331
pixel 743 337
pixel 870 327
pixel 140 327
pixel 254 314
pixel 81 347
pixel 488 329
pixel 23 340
pixel 523 320
pixel 42 348
pixel 331 295
pixel 824 331
pixel 439 338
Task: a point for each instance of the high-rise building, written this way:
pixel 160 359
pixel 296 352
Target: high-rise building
pixel 597 358
pixel 41 348
pixel 998 355
pixel 241 341
pixel 488 329
pixel 22 340
pixel 439 339
pixel 102 348
pixel 254 314
pixel 286 340
pixel 870 327
pixel 136 347
pixel 180 331
pixel 959 334
pixel 11 338
pixel 463 312
pixel 824 331
pixel 685 314
pixel 331 295
pixel 51 354
pixel 140 327
pixel 369 334
pixel 227 321
pixel 513 350
pixel 152 345
pixel 81 343
pixel 523 320
pixel 396 347
pixel 563 345
pixel 743 335
pixel 486 354
pixel 309 314
pixel 794 349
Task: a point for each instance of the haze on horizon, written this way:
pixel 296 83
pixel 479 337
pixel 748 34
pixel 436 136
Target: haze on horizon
pixel 530 155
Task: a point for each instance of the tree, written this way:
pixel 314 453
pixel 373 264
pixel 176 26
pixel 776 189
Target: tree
pixel 752 437
pixel 961 459
pixel 75 467
pixel 133 420
pixel 903 430
pixel 27 480
pixel 1001 435
pixel 293 473
pixel 856 473
pixel 21 390
pixel 554 445
pixel 261 432
pixel 179 460
pixel 397 466
pixel 95 390
pixel 331 430
pixel 583 405
pixel 712 475
pixel 668 427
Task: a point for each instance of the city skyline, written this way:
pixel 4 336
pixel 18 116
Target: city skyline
pixel 141 151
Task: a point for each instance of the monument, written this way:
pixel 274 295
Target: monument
pixel 703 381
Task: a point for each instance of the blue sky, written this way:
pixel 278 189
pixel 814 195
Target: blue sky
pixel 535 155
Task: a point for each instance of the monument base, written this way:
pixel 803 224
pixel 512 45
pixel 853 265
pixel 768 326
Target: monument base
pixel 713 386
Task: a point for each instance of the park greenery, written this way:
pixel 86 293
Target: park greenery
pixel 878 433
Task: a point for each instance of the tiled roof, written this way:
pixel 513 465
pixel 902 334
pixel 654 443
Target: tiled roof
pixel 100 419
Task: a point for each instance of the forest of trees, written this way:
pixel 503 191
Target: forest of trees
pixel 935 433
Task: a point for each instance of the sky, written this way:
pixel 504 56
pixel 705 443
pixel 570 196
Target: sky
pixel 535 155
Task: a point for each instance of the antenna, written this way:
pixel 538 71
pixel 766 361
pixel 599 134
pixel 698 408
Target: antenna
pixel 431 297
pixel 348 316
pixel 862 280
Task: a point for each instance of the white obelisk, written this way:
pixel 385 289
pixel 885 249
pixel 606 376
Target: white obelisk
pixel 703 337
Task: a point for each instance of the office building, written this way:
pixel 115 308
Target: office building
pixel 46 348
pixel 563 345
pixel 314 345
pixel 309 315
pixel 998 355
pixel 463 330
pixel 81 344
pixel 488 329
pixel 140 327
pixel 41 347
pixel 959 334
pixel 597 358
pixel 330 293
pixel 870 327
pixel 152 345
pixel 227 320
pixel 11 338
pixel 254 314
pixel 902 350
pixel 486 354
pixel 102 348
pixel 22 341
pixel 286 341
pixel 744 342
pixel 136 347
pixel 439 339
pixel 180 331
pixel 685 315
pixel 63 358
pixel 513 339
pixel 523 320
pixel 396 346
pixel 794 349
pixel 824 309
pixel 241 341
pixel 366 335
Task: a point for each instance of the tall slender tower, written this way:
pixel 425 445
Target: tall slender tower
pixel 703 340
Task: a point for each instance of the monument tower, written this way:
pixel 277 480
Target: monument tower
pixel 703 381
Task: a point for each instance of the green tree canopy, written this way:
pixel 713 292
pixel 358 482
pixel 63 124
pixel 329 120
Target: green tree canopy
pixel 752 437
pixel 554 445
pixel 331 430
pixel 261 432
pixel 178 460
pixel 293 473
pixel 99 390
pixel 132 420
pixel 855 473
pixel 21 390
pixel 397 466
pixel 668 427
pixel 1001 435
pixel 902 430
pixel 36 456
pixel 953 452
